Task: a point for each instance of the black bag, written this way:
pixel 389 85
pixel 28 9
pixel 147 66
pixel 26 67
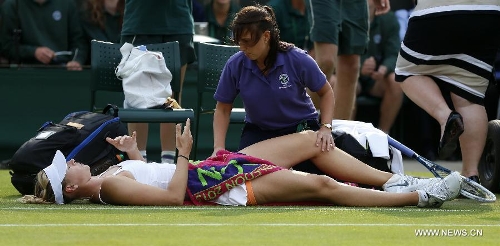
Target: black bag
pixel 350 145
pixel 80 136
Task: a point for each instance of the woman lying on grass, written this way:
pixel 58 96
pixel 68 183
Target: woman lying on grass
pixel 258 174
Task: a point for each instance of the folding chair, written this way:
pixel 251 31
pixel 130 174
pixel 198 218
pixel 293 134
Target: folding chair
pixel 211 61
pixel 106 56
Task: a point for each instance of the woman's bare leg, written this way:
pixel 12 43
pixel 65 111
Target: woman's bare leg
pixel 424 92
pixel 293 186
pixel 473 139
pixel 287 151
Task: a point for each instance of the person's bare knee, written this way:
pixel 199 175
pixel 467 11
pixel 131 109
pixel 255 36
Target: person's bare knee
pixel 324 185
pixel 309 136
pixel 349 64
pixel 392 85
pixel 325 56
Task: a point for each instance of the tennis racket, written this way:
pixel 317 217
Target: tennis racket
pixel 470 188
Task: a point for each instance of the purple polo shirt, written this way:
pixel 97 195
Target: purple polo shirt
pixel 279 99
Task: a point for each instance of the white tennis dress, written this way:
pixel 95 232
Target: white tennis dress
pixel 160 175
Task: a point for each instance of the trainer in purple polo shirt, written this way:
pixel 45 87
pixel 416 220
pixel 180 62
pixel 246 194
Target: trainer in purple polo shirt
pixel 276 100
pixel 271 77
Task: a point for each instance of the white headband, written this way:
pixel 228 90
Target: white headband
pixel 56 172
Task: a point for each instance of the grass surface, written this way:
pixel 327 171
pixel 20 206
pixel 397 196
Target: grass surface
pixel 459 222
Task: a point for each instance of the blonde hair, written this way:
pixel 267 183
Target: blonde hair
pixel 43 191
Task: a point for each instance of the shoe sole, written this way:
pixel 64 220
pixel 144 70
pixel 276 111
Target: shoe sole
pixel 450 147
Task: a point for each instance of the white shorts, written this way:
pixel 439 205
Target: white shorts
pixel 237 196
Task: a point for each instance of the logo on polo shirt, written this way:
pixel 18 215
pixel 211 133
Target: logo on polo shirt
pixel 57 15
pixel 284 80
pixel 377 38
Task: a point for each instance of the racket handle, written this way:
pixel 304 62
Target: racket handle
pixel 405 150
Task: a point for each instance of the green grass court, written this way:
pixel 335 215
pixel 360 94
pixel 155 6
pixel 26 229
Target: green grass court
pixel 460 222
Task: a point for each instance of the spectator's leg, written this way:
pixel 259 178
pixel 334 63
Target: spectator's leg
pixel 392 100
pixel 473 139
pixel 347 76
pixel 325 56
pixel 424 92
pixel 167 130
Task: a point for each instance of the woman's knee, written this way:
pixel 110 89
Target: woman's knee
pixel 323 183
pixel 325 61
pixel 309 136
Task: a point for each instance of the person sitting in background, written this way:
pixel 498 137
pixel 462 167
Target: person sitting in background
pixel 219 14
pixel 378 64
pixel 251 177
pixel 43 32
pixel 293 22
pixel 402 9
pixel 101 20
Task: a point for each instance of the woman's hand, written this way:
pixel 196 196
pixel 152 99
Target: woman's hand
pixel 325 139
pixel 382 6
pixel 44 55
pixel 184 140
pixel 368 66
pixel 73 66
pixel 124 143
pixel 380 73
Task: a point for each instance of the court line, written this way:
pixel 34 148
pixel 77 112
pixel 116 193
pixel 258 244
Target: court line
pixel 246 224
pixel 202 208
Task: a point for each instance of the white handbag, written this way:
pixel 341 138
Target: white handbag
pixel 145 77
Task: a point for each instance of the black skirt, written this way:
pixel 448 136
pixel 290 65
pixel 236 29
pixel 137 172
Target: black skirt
pixel 455 45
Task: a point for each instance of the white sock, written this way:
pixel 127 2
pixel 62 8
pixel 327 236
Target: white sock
pixel 167 156
pixel 144 154
pixel 395 178
pixel 423 199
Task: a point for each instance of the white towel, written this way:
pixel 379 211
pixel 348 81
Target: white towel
pixel 367 135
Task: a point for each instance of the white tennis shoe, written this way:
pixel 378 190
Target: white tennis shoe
pixel 435 194
pixel 400 183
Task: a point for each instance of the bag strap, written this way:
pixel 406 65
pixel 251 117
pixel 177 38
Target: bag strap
pixel 111 106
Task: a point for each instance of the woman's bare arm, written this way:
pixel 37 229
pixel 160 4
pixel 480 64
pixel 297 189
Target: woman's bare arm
pixel 184 143
pixel 125 191
pixel 120 190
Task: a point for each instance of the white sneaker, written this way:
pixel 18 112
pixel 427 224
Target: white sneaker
pixel 435 194
pixel 400 183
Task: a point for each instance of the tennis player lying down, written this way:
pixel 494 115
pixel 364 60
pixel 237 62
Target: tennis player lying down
pixel 259 174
